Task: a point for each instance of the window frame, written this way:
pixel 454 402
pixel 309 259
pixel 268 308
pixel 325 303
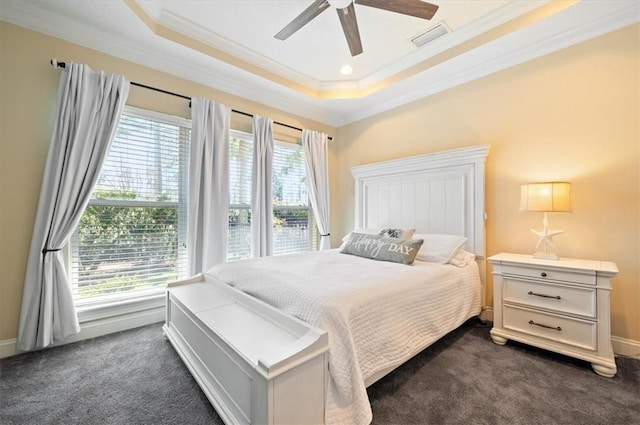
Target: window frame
pixel 117 304
pixel 314 239
pixel 151 300
pixel 313 229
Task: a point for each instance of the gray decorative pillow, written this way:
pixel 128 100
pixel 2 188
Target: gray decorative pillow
pixel 381 248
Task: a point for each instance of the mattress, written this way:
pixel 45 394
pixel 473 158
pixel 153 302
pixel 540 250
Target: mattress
pixel 377 314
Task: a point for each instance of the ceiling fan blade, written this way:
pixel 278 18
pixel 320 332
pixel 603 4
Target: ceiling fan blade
pixel 417 8
pixel 350 27
pixel 302 19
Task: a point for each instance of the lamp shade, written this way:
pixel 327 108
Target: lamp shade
pixel 546 197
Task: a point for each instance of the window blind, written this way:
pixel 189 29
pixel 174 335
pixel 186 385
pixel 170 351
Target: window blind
pixel 132 236
pixel 292 222
pixel 240 171
pixel 293 226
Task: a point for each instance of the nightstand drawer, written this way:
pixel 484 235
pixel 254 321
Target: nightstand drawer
pixel 566 330
pixel 587 277
pixel 563 299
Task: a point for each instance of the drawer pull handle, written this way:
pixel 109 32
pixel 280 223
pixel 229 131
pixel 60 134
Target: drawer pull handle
pixel 557 297
pixel 543 274
pixel 555 328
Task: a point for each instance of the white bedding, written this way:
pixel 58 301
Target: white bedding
pixel 377 314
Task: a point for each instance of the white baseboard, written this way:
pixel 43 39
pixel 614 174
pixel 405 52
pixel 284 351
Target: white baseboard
pixel 7 348
pixel 487 314
pixel 97 328
pixel 621 346
pixel 626 347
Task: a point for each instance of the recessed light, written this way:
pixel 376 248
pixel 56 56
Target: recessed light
pixel 346 70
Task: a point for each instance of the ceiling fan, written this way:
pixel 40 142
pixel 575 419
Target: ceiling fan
pixel 347 15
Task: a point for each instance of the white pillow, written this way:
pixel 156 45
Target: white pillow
pixel 461 258
pixel 438 248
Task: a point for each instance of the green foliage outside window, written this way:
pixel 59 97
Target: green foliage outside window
pixel 126 247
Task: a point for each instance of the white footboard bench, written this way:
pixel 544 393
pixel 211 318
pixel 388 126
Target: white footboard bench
pixel 256 364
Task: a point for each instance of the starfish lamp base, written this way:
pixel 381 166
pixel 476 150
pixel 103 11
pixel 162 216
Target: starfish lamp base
pixel 545 239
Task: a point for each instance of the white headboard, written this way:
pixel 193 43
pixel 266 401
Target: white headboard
pixel 441 192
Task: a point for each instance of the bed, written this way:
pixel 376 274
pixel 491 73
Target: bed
pixel 297 338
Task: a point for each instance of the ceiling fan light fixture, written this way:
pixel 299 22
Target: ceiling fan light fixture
pixel 340 4
pixel 347 15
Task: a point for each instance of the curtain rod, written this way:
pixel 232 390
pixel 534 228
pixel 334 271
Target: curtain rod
pixel 56 64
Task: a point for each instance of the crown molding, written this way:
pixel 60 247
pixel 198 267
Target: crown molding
pixel 345 88
pixel 190 34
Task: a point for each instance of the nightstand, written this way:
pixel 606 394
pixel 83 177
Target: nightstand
pixel 559 305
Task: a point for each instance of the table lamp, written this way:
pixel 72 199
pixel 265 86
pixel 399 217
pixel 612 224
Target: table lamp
pixel 545 197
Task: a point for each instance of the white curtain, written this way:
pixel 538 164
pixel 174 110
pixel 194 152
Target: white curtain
pixel 207 226
pixel 88 112
pixel 261 191
pixel 316 158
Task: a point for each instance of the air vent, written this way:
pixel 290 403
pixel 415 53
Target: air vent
pixel 431 34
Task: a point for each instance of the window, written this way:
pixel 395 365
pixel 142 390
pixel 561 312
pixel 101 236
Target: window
pixel 293 226
pixel 131 239
pixel 240 171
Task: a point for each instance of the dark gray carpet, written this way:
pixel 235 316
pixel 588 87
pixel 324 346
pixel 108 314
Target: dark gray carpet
pixel 135 377
pixel 467 379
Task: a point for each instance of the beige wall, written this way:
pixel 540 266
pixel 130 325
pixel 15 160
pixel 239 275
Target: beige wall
pixel 572 115
pixel 28 87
